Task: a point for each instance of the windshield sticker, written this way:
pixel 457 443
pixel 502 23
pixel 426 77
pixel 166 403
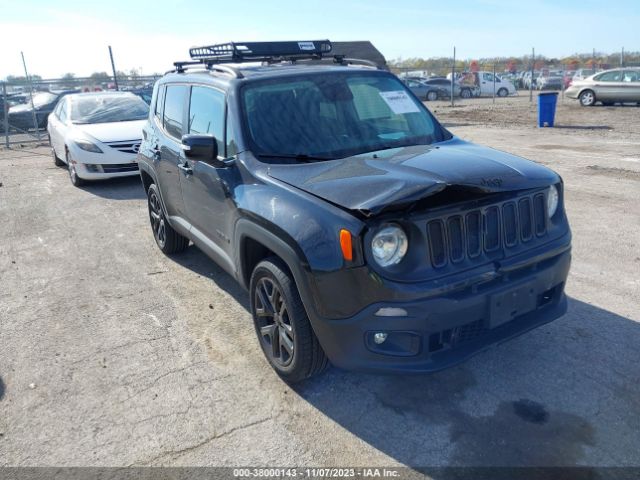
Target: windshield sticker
pixel 306 46
pixel 399 102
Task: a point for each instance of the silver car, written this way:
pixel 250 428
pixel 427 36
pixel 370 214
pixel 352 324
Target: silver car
pixel 620 85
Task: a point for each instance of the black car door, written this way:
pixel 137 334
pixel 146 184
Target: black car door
pixel 168 150
pixel 205 185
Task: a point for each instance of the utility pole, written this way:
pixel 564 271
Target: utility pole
pixel 593 60
pixel 113 67
pixel 33 108
pixel 533 63
pixel 622 57
pixel 453 74
pixel 494 81
pixel 5 116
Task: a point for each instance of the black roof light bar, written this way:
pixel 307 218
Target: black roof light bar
pixel 239 52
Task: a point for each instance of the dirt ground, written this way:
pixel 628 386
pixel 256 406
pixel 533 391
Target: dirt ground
pixel 113 354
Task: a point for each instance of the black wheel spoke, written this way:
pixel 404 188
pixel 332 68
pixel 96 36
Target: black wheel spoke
pixel 272 319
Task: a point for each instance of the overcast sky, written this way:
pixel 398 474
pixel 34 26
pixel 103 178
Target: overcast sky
pixel 72 35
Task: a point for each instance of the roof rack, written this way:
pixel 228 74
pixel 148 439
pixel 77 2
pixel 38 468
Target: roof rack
pixel 239 52
pixel 213 56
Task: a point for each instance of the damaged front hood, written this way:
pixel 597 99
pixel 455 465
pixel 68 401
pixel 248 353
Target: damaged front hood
pixel 374 181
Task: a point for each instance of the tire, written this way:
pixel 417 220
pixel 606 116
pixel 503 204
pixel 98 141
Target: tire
pixel 587 98
pixel 282 325
pixel 503 92
pixel 76 181
pixel 465 93
pixel 432 96
pixel 168 240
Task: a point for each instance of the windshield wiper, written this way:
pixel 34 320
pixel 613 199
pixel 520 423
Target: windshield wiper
pixel 296 156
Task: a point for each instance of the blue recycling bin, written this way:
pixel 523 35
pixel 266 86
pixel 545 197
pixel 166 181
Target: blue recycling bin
pixel 547 108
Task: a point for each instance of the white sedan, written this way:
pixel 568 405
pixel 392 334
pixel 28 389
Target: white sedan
pixel 97 135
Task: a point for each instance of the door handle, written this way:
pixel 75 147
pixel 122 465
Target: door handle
pixel 186 169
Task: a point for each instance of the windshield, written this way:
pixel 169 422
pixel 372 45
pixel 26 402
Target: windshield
pixel 42 99
pixel 108 108
pixel 334 116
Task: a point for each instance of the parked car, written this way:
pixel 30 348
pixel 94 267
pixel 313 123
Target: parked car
pixel 366 233
pixel 485 82
pixel 550 81
pixel 97 135
pixel 583 73
pixel 567 78
pixel 21 116
pixel 423 91
pixel 464 91
pixel 144 93
pixel 620 85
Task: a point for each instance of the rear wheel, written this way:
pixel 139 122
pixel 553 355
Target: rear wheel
pixel 503 92
pixel 432 96
pixel 168 240
pixel 282 325
pixel 587 98
pixel 465 93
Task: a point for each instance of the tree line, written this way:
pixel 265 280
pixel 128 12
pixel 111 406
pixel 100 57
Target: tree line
pixel 572 62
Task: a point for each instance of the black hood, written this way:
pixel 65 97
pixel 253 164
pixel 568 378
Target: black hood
pixel 404 175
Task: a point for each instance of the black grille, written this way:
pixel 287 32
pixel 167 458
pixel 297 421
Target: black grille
pixel 486 230
pixel 128 146
pixel 437 242
pixel 119 167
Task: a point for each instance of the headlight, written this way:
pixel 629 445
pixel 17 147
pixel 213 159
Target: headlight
pixel 389 245
pixel 552 200
pixel 87 146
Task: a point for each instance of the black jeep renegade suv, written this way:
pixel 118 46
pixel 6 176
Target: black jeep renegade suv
pixel 366 233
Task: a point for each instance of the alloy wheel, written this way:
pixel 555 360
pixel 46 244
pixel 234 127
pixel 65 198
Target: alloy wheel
pixel 587 98
pixel 156 216
pixel 274 325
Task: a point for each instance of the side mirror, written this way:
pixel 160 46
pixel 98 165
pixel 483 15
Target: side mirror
pixel 200 147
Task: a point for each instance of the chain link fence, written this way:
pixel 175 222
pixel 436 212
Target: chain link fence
pixel 25 106
pixel 500 79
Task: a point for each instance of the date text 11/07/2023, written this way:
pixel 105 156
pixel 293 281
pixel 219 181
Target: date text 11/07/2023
pixel 316 473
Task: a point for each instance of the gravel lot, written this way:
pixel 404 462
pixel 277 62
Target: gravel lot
pixel 112 354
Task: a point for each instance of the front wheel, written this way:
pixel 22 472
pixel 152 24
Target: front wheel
pixel 432 96
pixel 282 325
pixel 465 93
pixel 503 92
pixel 76 181
pixel 56 160
pixel 168 240
pixel 587 98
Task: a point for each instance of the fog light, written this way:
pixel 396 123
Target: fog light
pixel 379 337
pixel 391 312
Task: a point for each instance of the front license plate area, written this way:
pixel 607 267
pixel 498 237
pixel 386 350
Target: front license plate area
pixel 507 305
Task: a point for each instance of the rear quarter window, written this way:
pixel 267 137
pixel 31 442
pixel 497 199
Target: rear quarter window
pixel 174 109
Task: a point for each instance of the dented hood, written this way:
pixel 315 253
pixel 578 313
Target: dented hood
pixel 374 181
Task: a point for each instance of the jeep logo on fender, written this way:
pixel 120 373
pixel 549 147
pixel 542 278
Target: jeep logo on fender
pixel 491 182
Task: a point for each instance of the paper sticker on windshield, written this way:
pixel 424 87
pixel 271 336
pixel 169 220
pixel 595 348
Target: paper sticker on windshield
pixel 306 46
pixel 399 102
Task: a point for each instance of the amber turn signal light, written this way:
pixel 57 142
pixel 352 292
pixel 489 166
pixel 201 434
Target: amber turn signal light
pixel 345 245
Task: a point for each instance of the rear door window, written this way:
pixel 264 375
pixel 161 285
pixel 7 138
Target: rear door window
pixel 206 113
pixel 174 109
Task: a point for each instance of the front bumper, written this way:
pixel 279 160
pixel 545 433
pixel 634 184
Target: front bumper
pixel 443 330
pixel 109 164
